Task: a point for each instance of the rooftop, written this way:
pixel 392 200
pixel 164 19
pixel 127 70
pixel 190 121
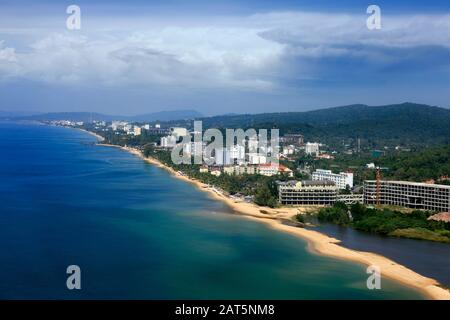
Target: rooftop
pixel 411 183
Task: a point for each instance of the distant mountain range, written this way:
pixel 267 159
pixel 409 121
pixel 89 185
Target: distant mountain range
pixel 406 123
pixel 88 116
pixel 14 114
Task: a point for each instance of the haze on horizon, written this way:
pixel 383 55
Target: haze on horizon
pixel 221 57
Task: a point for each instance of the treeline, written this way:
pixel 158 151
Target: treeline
pixel 431 163
pixel 402 124
pixel 387 222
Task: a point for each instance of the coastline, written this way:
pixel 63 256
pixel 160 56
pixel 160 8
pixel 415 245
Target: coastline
pixel 99 137
pixel 317 242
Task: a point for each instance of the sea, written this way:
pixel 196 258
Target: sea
pixel 135 232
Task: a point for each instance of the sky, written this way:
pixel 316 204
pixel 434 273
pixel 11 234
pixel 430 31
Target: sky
pixel 219 57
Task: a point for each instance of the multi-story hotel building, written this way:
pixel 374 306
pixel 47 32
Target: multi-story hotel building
pixel 342 180
pixel 307 192
pixel 415 195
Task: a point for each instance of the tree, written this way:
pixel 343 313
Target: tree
pixel 264 197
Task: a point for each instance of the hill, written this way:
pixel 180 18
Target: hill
pixel 89 116
pixel 403 123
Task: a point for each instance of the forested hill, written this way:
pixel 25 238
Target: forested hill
pixel 407 122
pixel 432 163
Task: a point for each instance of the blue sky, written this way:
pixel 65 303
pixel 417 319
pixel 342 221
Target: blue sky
pixel 221 56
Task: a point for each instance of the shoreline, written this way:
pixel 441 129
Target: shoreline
pixel 318 243
pixel 99 137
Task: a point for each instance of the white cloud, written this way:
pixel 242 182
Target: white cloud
pixel 240 52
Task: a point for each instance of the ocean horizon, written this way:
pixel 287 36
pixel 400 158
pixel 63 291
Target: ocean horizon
pixel 138 233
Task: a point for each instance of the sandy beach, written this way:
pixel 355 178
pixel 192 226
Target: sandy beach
pixel 317 242
pixel 99 137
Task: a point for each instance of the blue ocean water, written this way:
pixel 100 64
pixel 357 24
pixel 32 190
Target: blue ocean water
pixel 138 233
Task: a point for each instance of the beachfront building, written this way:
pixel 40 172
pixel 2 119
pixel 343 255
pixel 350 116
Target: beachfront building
pixel 271 169
pixel 228 170
pixel 118 125
pixel 312 148
pixel 179 132
pixel 307 192
pixel 239 169
pixel 204 169
pixel 215 172
pixel 341 180
pixel 415 195
pixel 137 131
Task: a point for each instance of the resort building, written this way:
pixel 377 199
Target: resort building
pixel 307 192
pixel 312 148
pixel 271 169
pixel 288 150
pixel 179 132
pixel 204 169
pixel 415 195
pixel 341 180
pixel 215 172
pixel 256 158
pixel 238 170
pixel 228 170
pixel 292 138
pixel 137 131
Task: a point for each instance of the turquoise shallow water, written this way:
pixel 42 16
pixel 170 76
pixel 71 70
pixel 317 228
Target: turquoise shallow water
pixel 136 232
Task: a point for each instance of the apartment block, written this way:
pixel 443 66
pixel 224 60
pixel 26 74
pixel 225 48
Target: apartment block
pixel 307 192
pixel 415 195
pixel 342 179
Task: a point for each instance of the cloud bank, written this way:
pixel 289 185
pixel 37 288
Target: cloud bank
pixel 245 53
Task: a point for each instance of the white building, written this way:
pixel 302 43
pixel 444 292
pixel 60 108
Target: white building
pixel 179 132
pixel 272 169
pixel 341 180
pixel 312 148
pixel 288 150
pixel 116 125
pixel 370 165
pixel 128 129
pixel 137 131
pixel 255 158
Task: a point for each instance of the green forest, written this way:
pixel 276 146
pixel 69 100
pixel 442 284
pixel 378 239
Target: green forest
pixel 386 221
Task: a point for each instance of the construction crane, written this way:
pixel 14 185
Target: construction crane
pixel 378 186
